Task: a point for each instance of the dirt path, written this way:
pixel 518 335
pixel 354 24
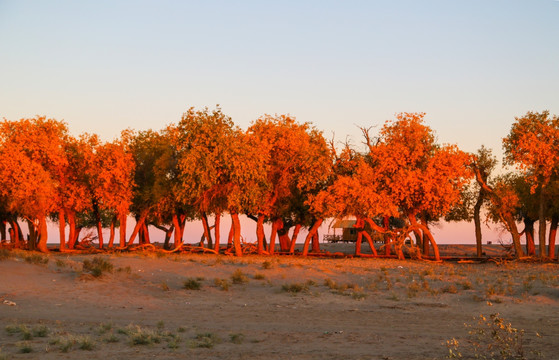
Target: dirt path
pixel 279 308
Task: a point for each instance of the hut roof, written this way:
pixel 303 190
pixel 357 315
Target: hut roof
pixel 344 224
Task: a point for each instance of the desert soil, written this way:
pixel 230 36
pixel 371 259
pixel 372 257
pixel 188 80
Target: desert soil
pixel 259 307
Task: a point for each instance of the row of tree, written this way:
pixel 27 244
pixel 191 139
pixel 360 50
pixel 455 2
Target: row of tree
pixel 278 172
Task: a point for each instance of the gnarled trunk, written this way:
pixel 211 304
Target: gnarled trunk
pixel 294 238
pixel 3 224
pixel 260 233
pixel 207 232
pixel 529 234
pixel 507 218
pixel 178 231
pixel 542 223
pixel 386 224
pixel 16 235
pixel 275 227
pixel 112 232
pixel 139 225
pixel 427 236
pixel 359 227
pixel 477 223
pixel 62 229
pixel 122 229
pixel 43 234
pixel 32 237
pixel 71 216
pixel 236 234
pixel 312 232
pixel 552 235
pixel 217 231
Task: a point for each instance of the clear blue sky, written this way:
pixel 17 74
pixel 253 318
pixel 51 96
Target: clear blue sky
pixel 103 66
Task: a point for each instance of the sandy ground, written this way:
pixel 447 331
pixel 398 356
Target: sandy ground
pixel 280 308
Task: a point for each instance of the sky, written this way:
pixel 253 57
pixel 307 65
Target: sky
pixel 104 66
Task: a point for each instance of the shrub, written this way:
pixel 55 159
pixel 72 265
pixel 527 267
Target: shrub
pixel 238 277
pixel 491 338
pixel 97 266
pixel 144 337
pixel 450 289
pixel 5 254
pixel 192 284
pixel 259 276
pixel 25 348
pixel 36 259
pixel 164 286
pixel 294 288
pixel 85 343
pixel 205 340
pixel 222 283
pixel 40 331
pixel 237 338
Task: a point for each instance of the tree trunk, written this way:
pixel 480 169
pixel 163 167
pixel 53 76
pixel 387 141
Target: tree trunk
pixel 77 234
pixel 147 239
pixel 294 238
pixel 552 235
pixel 507 218
pixel 513 229
pixel 168 234
pixel 207 233
pixel 139 224
pixel 283 235
pixel 529 233
pixel 260 233
pixel 271 247
pixel 386 224
pixel 315 243
pixel 32 238
pixel 477 223
pixel 217 231
pixel 112 232
pixel 418 238
pixel 358 242
pixel 542 223
pixel 370 241
pixel 72 229
pixel 359 227
pixel 230 236
pixel 16 233
pixel 43 235
pixel 141 235
pixel 3 225
pixel 312 231
pixel 427 236
pixel 122 229
pixel 178 235
pixel 62 229
pixel 236 234
pixel 100 231
pixel 426 240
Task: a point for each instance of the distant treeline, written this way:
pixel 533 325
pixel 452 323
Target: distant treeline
pixel 279 172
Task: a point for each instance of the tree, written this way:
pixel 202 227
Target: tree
pixel 297 163
pixel 109 179
pixel 533 147
pixel 423 179
pixel 33 165
pixel 504 204
pixel 355 191
pixel 155 163
pixel 205 145
pixel 485 163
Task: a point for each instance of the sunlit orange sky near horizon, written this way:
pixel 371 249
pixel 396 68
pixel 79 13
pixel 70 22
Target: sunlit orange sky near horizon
pixel 103 66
